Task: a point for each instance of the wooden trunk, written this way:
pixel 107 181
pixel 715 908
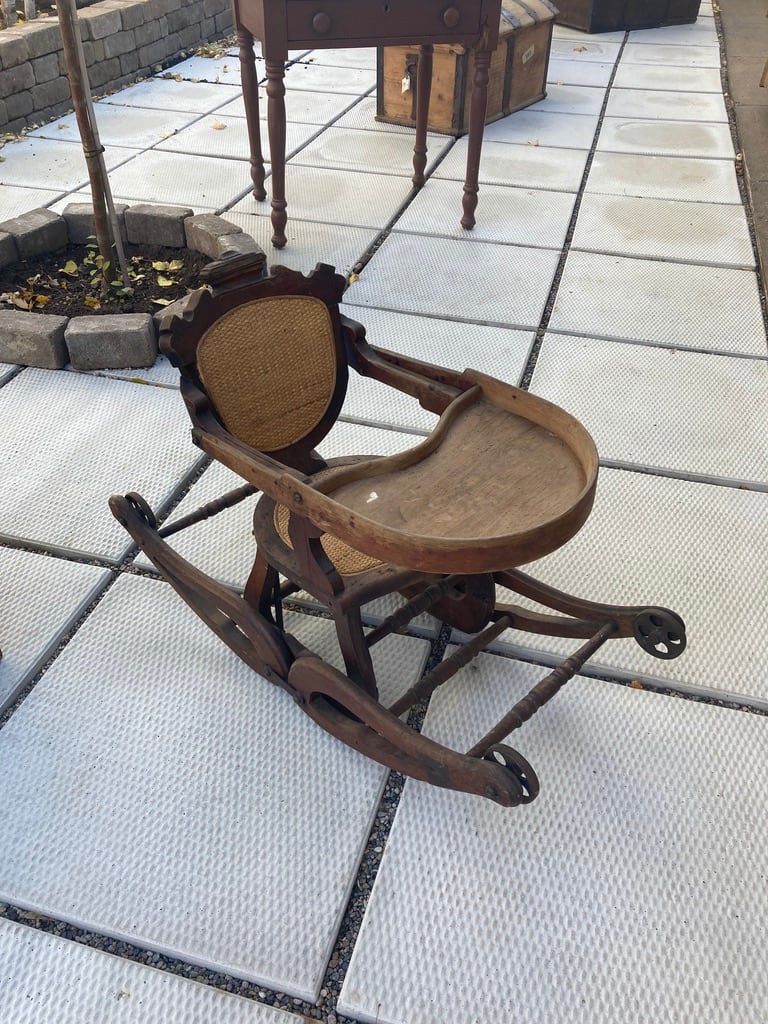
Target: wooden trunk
pixel 518 72
pixel 608 15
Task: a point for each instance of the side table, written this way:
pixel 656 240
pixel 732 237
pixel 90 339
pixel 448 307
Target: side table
pixel 281 25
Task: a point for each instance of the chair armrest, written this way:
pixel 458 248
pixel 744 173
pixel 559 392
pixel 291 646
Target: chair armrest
pixel 435 387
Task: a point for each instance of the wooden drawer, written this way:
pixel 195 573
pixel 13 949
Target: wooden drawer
pixel 321 22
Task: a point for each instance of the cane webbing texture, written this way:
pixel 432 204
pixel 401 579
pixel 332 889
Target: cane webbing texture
pixel 269 367
pixel 347 560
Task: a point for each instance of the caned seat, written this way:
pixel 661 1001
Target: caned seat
pixel 503 479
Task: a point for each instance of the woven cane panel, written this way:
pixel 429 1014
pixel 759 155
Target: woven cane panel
pixel 347 560
pixel 270 369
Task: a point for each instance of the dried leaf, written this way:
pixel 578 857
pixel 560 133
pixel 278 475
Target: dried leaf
pixel 70 268
pixel 91 302
pixel 162 302
pixel 19 302
pixel 176 265
pixel 160 265
pixel 218 126
pixel 165 282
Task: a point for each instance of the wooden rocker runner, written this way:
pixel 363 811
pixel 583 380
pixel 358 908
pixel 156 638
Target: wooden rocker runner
pixel 503 479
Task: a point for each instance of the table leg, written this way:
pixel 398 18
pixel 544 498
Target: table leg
pixel 250 83
pixel 276 127
pixel 423 90
pixel 475 142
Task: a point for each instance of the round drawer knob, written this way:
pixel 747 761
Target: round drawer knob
pixel 321 22
pixel 451 17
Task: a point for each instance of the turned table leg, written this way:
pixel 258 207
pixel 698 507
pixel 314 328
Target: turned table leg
pixel 423 90
pixel 276 127
pixel 250 85
pixel 475 142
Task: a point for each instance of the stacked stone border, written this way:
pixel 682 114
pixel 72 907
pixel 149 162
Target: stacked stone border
pixel 123 40
pixel 116 341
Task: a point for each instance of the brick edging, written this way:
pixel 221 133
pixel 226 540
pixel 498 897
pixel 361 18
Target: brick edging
pixel 123 40
pixel 103 341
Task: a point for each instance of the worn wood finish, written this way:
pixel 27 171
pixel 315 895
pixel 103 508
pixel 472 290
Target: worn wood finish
pixel 613 15
pixel 281 25
pixel 517 73
pixel 503 478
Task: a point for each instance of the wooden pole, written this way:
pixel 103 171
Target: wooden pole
pixel 77 74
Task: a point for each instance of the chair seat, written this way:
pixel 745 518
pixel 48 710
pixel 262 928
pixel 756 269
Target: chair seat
pixel 346 560
pixel 504 478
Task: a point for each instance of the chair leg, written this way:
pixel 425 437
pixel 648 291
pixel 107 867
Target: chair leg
pixel 355 650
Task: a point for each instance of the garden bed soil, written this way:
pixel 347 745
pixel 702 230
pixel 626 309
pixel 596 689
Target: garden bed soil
pixel 39 284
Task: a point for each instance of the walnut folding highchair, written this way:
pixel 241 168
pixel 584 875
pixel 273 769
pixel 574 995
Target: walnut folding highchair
pixel 503 479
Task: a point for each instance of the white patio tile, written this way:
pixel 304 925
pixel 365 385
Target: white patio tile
pixel 674 56
pixel 225 137
pixel 352 57
pixel 664 177
pixel 579 46
pixel 58 425
pixel 699 33
pixel 578 72
pixel 709 233
pixel 161 94
pixel 204 184
pixel 478 281
pixel 300 105
pixel 156 790
pixel 309 243
pixel 621 894
pixel 668 78
pixel 39 597
pixel 363 116
pixel 670 303
pixel 16 200
pixel 696 548
pixel 542 167
pixel 45 978
pixel 494 350
pixel 222 546
pixel 571 99
pixel 514 216
pixel 121 126
pixel 665 138
pixel 668 419
pixel 534 127
pixel 326 78
pixel 666 105
pixel 225 70
pixel 61 165
pixel 355 151
pixel 335 197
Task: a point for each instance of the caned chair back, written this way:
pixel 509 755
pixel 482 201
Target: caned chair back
pixel 268 356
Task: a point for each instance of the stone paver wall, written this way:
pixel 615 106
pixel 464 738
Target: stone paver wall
pixel 123 40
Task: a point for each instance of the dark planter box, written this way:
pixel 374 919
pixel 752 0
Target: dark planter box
pixel 610 15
